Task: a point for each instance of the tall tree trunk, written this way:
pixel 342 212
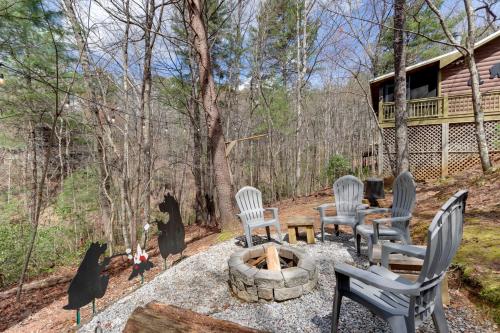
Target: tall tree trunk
pixel 146 106
pixel 103 133
pixel 477 107
pixel 298 101
pixel 468 53
pixel 124 181
pixel 48 154
pixel 401 116
pixel 213 115
pixel 195 117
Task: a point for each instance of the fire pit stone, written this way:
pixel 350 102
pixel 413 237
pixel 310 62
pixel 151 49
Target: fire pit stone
pixel 298 277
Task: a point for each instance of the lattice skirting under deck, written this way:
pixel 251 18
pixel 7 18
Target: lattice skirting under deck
pixel 426 148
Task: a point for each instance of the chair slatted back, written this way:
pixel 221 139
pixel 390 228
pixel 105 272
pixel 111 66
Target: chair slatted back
pixel 249 200
pixel 404 197
pixel 443 239
pixel 348 192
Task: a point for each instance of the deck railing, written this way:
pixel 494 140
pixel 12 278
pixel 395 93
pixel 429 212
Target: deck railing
pixel 439 107
pixel 417 108
pixel 462 104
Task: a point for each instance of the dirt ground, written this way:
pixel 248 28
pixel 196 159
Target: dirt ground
pixel 41 310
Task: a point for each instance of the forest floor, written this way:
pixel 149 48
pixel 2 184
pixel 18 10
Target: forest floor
pixel 475 280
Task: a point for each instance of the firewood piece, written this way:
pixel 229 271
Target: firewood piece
pixel 157 317
pixel 273 260
pixel 256 261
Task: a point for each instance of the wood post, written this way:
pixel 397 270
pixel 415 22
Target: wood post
pixel 273 260
pixel 445 142
pixel 444 112
pixel 380 111
pixel 310 235
pixel 380 155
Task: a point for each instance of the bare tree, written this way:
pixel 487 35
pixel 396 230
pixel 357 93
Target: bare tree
pixel 102 130
pixel 401 113
pixel 467 51
pixel 212 113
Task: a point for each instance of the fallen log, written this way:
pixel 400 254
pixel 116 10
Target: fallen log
pixel 157 317
pixel 45 283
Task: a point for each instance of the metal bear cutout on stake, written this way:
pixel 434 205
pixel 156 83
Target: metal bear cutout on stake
pixel 495 71
pixel 88 283
pixel 171 238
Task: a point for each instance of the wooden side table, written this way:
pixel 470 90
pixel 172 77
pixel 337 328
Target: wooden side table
pixel 301 222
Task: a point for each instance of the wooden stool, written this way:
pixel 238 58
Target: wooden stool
pixel 409 268
pixel 301 222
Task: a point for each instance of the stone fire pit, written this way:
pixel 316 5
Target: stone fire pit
pixel 298 275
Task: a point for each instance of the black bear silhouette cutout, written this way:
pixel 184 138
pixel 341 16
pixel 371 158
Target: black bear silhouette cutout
pixel 141 264
pixel 171 239
pixel 88 282
pixel 495 71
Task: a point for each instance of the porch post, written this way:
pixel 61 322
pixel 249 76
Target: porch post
pixel 380 155
pixel 445 141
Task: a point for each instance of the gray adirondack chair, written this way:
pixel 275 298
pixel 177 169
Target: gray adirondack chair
pixel 403 303
pixel 348 193
pixel 249 201
pixel 394 228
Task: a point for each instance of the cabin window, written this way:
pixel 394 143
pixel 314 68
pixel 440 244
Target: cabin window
pixel 387 91
pixel 421 84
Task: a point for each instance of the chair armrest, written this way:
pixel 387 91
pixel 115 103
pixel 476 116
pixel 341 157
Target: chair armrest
pixel 274 211
pixel 375 280
pixel 376 210
pixel 409 250
pixel 362 212
pixel 387 220
pixel 242 218
pixel 362 207
pixel 322 209
pixel 325 206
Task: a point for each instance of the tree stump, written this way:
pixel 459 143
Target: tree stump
pixel 157 317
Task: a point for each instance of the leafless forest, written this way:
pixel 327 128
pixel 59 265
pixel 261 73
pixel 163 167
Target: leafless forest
pixel 106 105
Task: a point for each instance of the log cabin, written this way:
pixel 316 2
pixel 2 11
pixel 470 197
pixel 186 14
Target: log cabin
pixel 441 127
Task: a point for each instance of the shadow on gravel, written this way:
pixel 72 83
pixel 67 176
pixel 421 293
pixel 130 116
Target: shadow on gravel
pixel 256 240
pixel 179 260
pixel 323 323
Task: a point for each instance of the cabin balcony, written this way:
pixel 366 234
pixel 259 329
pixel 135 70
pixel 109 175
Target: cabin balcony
pixel 434 110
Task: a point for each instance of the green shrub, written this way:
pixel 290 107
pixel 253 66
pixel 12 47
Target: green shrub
pixel 338 166
pixel 79 196
pixel 54 246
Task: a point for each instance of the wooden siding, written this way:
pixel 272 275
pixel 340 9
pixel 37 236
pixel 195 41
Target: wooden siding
pixel 454 77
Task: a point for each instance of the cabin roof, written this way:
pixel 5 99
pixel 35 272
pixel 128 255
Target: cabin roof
pixel 444 59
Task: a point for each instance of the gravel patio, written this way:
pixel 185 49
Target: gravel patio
pixel 200 283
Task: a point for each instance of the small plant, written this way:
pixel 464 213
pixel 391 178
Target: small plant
pixel 338 166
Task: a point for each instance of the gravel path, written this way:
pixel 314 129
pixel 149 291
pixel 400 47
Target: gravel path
pixel 200 284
